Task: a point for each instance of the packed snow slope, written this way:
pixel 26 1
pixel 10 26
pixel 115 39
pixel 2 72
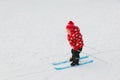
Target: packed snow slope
pixel 33 36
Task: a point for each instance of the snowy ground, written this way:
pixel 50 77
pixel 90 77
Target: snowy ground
pixel 33 35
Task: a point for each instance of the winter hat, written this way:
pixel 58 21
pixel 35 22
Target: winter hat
pixel 70 25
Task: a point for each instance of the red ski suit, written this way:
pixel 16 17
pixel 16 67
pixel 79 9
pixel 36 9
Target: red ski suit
pixel 75 38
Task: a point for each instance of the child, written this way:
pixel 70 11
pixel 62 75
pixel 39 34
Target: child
pixel 75 40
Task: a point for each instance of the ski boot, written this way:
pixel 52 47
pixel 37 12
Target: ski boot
pixel 75 62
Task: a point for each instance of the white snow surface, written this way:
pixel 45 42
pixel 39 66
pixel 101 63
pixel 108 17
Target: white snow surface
pixel 33 36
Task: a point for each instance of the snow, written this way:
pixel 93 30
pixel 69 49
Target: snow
pixel 33 36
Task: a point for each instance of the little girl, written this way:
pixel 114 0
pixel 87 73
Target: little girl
pixel 76 42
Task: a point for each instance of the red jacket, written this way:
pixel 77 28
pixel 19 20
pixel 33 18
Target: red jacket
pixel 75 38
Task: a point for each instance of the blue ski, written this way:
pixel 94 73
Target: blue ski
pixel 66 61
pixel 65 67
